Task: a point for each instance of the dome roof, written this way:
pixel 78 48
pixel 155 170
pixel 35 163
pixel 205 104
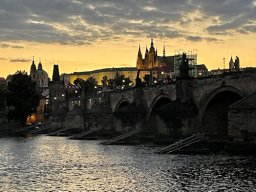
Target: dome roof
pixel 41 73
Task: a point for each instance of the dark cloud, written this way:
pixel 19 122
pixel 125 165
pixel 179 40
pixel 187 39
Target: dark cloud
pixel 82 22
pixel 7 45
pixel 194 38
pixel 20 60
pixel 231 15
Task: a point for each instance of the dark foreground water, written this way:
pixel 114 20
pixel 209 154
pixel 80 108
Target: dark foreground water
pixel 58 164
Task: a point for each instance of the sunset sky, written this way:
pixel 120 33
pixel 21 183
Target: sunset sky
pixel 82 35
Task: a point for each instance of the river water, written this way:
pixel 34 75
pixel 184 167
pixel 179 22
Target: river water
pixel 58 164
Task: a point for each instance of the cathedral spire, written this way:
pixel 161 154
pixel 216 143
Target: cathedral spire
pixel 152 42
pixel 139 52
pixel 33 66
pixel 152 49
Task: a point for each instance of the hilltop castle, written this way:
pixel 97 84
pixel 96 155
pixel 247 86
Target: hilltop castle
pixel 153 61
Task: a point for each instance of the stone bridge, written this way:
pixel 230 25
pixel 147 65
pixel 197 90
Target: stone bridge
pixel 189 106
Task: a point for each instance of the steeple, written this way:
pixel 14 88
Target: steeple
pixel 146 52
pixel 152 45
pixel 139 52
pixel 164 51
pixel 33 66
pixel 40 67
pixel 139 60
pixel 33 70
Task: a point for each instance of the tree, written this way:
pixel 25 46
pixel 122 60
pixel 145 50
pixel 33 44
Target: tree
pixel 104 81
pixel 122 81
pixel 89 86
pixel 22 97
pixel 2 97
pixel 79 82
pixel 111 83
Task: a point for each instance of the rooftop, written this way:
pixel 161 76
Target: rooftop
pixel 105 70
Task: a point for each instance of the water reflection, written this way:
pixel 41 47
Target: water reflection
pixel 58 164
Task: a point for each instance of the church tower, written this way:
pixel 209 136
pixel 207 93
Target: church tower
pixel 139 60
pixel 40 67
pixel 56 74
pixel 151 56
pixel 33 71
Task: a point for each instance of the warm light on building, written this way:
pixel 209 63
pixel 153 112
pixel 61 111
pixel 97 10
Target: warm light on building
pixel 31 119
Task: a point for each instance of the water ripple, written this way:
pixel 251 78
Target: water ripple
pixel 58 164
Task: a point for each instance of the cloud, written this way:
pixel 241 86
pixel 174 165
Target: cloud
pixel 231 16
pixel 194 38
pixel 83 22
pixel 6 45
pixel 2 58
pixel 20 60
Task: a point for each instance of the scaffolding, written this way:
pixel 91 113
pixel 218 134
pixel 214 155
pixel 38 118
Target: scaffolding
pixel 192 57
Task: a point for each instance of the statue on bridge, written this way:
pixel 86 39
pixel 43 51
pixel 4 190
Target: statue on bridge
pixel 138 80
pixel 237 63
pixel 184 66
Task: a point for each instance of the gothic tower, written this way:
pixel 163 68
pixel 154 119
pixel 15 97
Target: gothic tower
pixel 56 73
pixel 139 60
pixel 151 56
pixel 33 71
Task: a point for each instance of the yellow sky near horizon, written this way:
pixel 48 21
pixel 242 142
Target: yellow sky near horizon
pixel 122 54
pixel 114 54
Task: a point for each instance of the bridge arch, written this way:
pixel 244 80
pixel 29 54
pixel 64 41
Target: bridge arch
pixel 213 112
pixel 121 103
pixel 157 102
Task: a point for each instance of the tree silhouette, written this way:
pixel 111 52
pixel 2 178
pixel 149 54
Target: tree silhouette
pixel 90 86
pixel 22 97
pixel 104 81
pixel 2 97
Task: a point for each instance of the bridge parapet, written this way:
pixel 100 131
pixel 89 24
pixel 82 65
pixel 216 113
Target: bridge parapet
pixel 245 83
